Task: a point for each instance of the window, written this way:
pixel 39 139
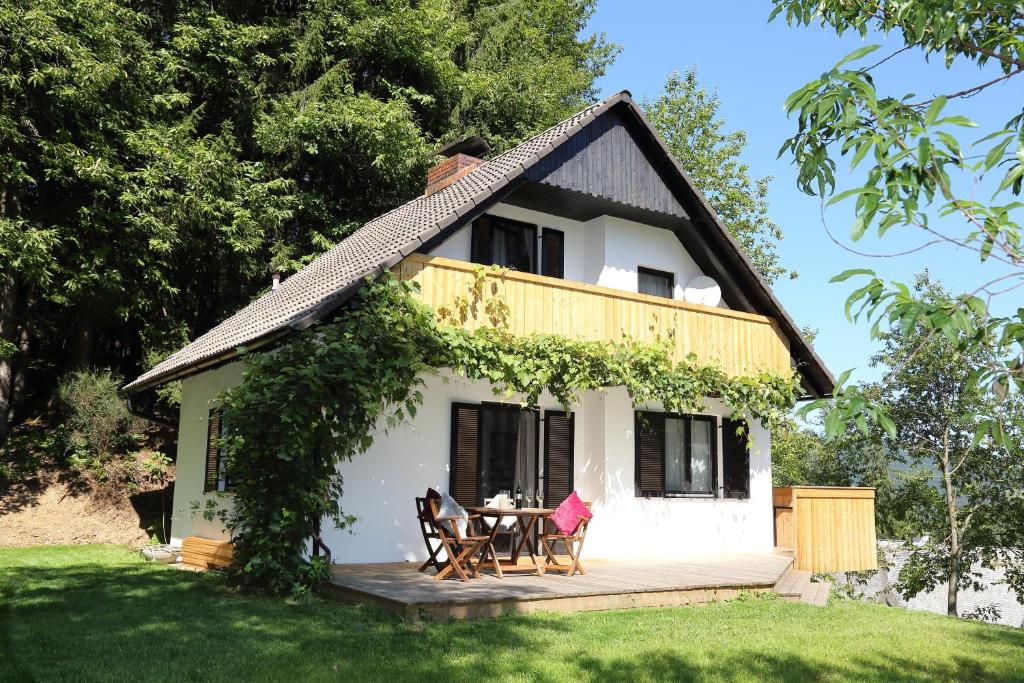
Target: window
pixel 505 243
pixel 553 253
pixel 735 459
pixel 676 454
pixel 655 282
pixel 216 477
pixel 494 447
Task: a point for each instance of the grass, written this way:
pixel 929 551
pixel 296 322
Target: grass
pixel 97 613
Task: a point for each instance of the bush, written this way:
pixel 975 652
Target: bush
pixel 97 416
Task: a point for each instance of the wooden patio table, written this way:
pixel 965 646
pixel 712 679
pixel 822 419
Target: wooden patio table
pixel 526 522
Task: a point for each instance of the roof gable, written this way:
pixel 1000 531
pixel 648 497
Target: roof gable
pixel 565 157
pixel 606 160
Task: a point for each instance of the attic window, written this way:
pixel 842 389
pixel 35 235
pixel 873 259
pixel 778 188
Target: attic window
pixel 655 282
pixel 506 243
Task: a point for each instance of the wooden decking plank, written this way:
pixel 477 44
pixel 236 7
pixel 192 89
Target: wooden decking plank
pixel 400 587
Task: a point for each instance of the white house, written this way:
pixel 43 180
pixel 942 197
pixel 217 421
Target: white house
pixel 604 235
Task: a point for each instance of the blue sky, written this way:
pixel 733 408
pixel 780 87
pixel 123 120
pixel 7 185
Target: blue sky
pixel 755 66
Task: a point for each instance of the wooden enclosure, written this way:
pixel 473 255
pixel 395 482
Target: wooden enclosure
pixel 205 553
pixel 828 529
pixel 740 343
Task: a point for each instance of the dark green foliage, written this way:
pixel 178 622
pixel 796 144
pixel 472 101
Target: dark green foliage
pixel 158 159
pixel 303 408
pixel 320 396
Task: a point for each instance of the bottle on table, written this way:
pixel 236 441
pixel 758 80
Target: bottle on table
pixel 519 498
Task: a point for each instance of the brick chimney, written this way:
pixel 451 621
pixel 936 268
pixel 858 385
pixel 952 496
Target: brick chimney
pixel 462 157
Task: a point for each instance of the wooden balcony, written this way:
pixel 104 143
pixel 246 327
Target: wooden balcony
pixel 740 343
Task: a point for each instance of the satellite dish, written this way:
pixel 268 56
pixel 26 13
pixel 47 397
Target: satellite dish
pixel 703 290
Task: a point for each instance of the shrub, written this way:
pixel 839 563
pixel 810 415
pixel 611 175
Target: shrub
pixel 97 416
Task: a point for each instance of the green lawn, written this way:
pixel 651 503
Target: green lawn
pixel 98 613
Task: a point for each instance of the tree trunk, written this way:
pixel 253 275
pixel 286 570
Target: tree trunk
pixel 954 528
pixel 8 324
pixel 84 340
pixel 21 361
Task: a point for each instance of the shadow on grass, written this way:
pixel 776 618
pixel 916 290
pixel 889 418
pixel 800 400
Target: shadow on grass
pixel 126 620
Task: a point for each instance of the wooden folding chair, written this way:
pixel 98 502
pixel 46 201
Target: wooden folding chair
pixel 430 536
pixel 460 549
pixel 573 545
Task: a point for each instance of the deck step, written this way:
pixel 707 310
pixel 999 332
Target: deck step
pixel 795 585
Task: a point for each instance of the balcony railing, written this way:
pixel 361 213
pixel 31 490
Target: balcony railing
pixel 740 343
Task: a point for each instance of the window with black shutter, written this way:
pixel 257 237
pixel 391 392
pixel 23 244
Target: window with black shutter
pixel 494 448
pixel 465 453
pixel 650 453
pixel 552 253
pixel 735 458
pixel 676 455
pixel 215 478
pixel 504 242
pixel 559 434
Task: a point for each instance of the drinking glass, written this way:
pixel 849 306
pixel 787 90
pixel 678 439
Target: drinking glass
pixel 506 495
pixel 540 498
pixel 529 498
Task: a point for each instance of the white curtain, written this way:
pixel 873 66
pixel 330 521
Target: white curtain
pixel 700 456
pixel 675 454
pixel 526 452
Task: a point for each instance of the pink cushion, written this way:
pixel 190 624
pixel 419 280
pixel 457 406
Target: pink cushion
pixel 567 515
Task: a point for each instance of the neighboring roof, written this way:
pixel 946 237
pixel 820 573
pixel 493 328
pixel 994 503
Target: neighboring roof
pixel 333 277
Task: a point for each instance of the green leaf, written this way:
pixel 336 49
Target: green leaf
pixel 856 54
pixel 852 272
pixel 933 111
pixel 887 424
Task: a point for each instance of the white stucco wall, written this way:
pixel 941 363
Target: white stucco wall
pixel 381 484
pixel 605 251
pixel 627 526
pixel 197 397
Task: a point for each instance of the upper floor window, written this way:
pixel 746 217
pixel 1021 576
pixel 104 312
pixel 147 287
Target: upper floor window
pixel 514 245
pixel 655 282
pixel 506 243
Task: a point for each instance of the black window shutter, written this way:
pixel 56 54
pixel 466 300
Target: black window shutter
pixel 212 451
pixel 735 458
pixel 465 453
pixel 559 434
pixel 480 242
pixel 650 453
pixel 553 253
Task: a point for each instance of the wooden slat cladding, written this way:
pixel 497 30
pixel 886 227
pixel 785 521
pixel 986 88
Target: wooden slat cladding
pixel 735 459
pixel 830 529
pixel 465 453
pixel 650 453
pixel 559 440
pixel 212 451
pixel 742 344
pixel 606 160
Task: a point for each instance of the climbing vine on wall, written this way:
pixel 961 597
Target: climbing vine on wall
pixel 324 394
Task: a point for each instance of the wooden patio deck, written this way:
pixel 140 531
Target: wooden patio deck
pixel 608 585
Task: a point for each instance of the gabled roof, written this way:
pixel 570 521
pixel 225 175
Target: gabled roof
pixel 327 282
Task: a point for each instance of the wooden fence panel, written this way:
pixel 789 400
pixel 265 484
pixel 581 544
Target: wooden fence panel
pixel 740 343
pixel 832 528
